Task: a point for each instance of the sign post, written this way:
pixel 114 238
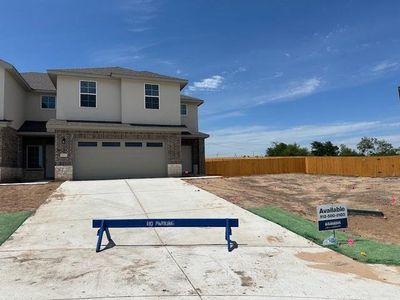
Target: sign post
pixel 331 217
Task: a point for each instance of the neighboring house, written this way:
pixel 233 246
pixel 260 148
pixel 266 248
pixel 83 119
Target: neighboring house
pixel 96 123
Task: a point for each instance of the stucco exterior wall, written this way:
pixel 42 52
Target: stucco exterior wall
pixel 191 118
pixel 133 103
pixel 14 101
pixel 108 100
pixel 33 110
pixel 118 100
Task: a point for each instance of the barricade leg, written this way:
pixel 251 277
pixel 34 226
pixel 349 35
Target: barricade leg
pixel 228 231
pixel 110 241
pixel 103 228
pixel 100 236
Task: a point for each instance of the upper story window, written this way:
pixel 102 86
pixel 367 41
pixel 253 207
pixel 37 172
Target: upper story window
pixel 88 93
pixel 152 96
pixel 48 102
pixel 183 109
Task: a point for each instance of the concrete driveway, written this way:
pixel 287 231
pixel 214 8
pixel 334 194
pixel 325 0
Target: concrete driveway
pixel 52 255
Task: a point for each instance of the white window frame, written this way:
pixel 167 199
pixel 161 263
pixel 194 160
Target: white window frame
pixel 87 107
pixel 41 101
pixel 159 96
pixel 40 157
pixel 186 109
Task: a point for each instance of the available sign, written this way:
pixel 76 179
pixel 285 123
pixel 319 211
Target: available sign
pixel 332 216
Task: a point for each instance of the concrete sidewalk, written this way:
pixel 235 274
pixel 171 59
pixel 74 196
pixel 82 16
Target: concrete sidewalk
pixel 52 255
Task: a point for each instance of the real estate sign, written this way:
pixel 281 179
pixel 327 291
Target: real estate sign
pixel 332 216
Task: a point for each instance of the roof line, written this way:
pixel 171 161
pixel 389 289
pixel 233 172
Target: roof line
pixel 192 99
pixel 14 70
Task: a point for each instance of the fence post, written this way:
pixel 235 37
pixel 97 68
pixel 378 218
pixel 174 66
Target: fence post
pixel 306 164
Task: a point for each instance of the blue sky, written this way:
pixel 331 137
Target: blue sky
pixel 291 71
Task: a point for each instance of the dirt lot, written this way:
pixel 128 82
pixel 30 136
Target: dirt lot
pixel 300 194
pixel 25 197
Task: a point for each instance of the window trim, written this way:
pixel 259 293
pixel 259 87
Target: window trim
pixel 154 144
pixel 186 109
pixel 79 91
pixel 110 144
pixel 159 96
pixel 87 144
pixel 41 101
pixel 26 156
pixel 133 144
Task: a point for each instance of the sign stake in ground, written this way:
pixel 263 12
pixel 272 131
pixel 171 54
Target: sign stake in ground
pixel 331 217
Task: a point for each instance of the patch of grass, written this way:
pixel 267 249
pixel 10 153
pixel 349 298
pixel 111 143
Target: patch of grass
pixel 375 252
pixel 9 222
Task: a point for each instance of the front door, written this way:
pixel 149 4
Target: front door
pixel 187 159
pixel 49 161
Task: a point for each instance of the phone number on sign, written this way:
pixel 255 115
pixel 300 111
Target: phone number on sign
pixel 338 215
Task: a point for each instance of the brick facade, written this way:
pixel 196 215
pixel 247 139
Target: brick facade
pixel 32 175
pixel 10 144
pixel 198 154
pixel 202 157
pixel 65 140
pixel 12 158
pixel 10 155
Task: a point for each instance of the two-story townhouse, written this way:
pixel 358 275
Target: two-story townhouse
pixel 97 123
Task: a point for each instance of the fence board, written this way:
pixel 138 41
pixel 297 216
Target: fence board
pixel 372 166
pixel 254 166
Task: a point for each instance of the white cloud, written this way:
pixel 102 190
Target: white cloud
pixel 138 13
pixel 208 84
pixel 294 90
pixel 255 139
pixel 231 73
pixel 224 115
pixel 144 7
pixel 238 70
pixel 385 66
pixel 139 29
pixel 118 55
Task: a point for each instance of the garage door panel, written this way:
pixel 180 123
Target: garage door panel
pixel 119 159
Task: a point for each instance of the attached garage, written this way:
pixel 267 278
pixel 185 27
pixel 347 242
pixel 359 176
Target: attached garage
pixel 113 159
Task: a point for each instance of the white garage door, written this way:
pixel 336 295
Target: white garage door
pixel 112 159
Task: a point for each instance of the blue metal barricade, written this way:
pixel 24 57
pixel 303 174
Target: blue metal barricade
pixel 105 224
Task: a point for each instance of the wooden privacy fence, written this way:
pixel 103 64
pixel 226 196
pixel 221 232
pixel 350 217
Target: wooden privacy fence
pixel 372 166
pixel 254 166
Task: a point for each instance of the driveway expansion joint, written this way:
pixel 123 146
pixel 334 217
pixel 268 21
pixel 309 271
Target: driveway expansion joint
pixel 162 242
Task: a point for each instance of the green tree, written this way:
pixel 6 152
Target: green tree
pixel 384 148
pixel 324 149
pixel 346 151
pixel 367 146
pixel 282 149
pixel 373 146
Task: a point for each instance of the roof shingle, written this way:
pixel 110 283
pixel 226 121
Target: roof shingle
pixel 117 72
pixel 33 126
pixel 39 81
